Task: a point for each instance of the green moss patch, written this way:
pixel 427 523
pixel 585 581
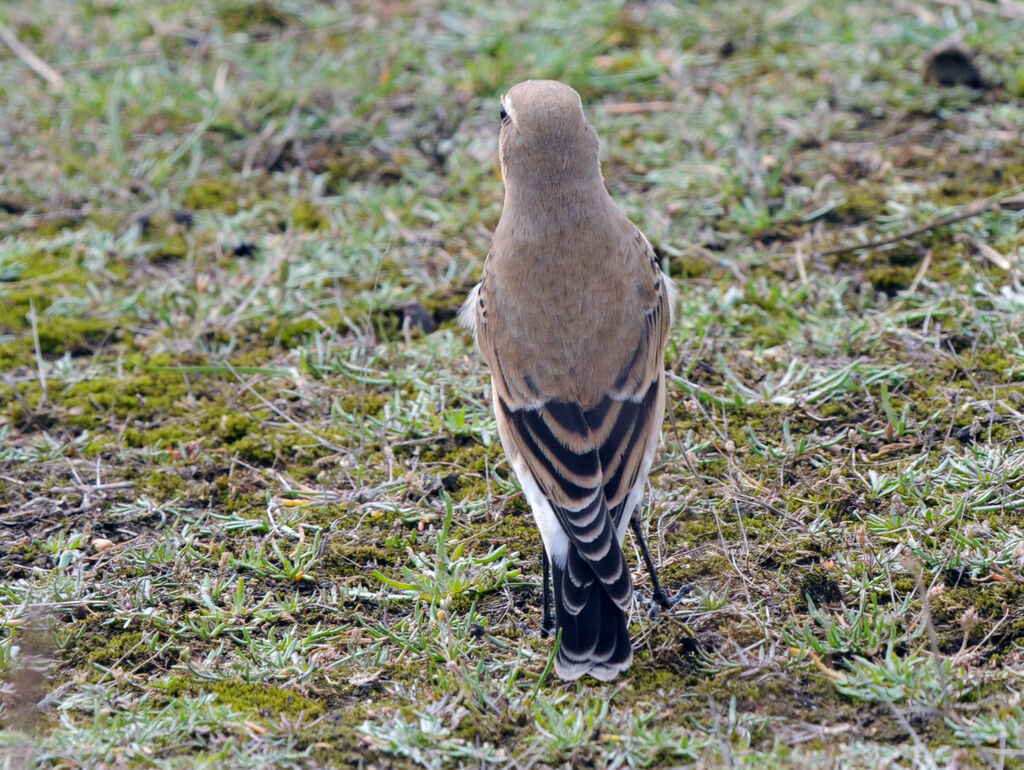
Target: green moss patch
pixel 266 701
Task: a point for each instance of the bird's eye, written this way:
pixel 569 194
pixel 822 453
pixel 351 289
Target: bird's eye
pixel 504 114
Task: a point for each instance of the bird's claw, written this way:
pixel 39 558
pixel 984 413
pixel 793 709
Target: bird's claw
pixel 661 601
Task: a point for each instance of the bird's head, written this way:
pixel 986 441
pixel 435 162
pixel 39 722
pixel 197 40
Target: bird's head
pixel 545 138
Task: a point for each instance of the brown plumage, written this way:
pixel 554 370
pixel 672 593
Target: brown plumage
pixel 572 315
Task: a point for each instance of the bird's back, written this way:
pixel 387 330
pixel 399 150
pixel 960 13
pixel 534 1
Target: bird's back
pixel 548 312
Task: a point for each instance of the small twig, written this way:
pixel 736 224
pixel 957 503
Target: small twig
pixel 831 673
pixel 23 52
pixel 992 255
pixel 93 487
pixel 972 211
pixel 775 511
pixel 904 136
pixel 39 351
pixel 921 271
pixel 801 268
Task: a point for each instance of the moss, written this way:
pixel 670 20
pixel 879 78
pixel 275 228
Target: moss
pixel 261 699
pixel 232 426
pixel 904 585
pixel 231 499
pixel 175 247
pixel 841 411
pixel 890 279
pixel 307 216
pixel 360 164
pixel 861 203
pixel 468 456
pixel 47 278
pixel 999 611
pixel 821 587
pixel 15 308
pixel 291 334
pixel 140 396
pixel 258 450
pixel 295 333
pixel 243 435
pixel 30 33
pixel 60 266
pixel 162 485
pixel 57 225
pixel 74 335
pixel 334 741
pixel 213 193
pixel 119 649
pixel 366 402
pixel 345 558
pixel 693 265
pixel 992 361
pixel 158 409
pixel 991 601
pixel 15 354
pixel 672 671
pixel 515 528
pixel 170 435
pixel 963 180
pixel 18 561
pixel 323 515
pixel 82 638
pixel 792 695
pixel 256 18
pixel 28 552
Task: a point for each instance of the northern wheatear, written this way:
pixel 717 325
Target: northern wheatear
pixel 572 315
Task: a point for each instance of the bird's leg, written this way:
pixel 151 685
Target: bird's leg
pixel 547 627
pixel 659 593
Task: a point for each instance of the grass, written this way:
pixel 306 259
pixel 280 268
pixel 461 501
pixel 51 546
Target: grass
pixel 253 507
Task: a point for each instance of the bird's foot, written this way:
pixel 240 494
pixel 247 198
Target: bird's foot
pixel 661 600
pixel 547 628
pixel 528 629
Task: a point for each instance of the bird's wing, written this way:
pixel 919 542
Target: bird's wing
pixel 587 461
pixel 627 422
pixel 557 447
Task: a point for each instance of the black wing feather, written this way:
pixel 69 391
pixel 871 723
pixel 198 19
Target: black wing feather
pixel 581 510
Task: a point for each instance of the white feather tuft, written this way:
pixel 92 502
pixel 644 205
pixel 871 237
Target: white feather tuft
pixel 467 313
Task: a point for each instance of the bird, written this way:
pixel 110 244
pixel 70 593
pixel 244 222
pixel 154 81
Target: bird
pixel 572 315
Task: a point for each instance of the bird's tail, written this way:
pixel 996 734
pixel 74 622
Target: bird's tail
pixel 595 640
